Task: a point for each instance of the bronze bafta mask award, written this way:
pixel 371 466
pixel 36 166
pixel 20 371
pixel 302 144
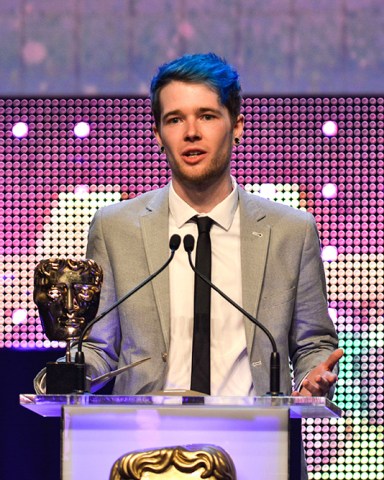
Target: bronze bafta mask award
pixel 67 294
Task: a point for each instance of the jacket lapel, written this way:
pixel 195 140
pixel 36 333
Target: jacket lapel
pixel 254 234
pixel 155 228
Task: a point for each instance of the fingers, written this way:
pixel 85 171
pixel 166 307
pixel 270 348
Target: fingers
pixel 316 389
pixel 302 393
pixel 333 358
pixel 320 380
pixel 326 380
pixel 318 386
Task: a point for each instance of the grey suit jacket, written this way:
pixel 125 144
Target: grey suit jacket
pixel 282 281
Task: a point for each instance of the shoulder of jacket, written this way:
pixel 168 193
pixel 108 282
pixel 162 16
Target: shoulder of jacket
pixel 273 209
pixel 134 206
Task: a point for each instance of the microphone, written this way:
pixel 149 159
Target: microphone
pixel 274 385
pixel 174 244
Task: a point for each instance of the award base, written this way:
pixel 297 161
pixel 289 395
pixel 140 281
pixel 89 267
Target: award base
pixel 65 378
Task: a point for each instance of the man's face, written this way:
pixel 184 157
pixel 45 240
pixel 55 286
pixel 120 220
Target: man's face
pixel 197 133
pixel 67 301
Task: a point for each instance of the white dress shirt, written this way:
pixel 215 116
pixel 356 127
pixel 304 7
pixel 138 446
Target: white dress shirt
pixel 230 370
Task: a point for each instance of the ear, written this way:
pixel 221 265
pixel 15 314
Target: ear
pixel 157 135
pixel 238 127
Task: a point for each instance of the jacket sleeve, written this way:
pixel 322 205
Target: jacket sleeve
pixel 102 346
pixel 312 335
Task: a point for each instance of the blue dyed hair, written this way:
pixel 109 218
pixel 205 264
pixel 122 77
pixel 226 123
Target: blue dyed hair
pixel 207 68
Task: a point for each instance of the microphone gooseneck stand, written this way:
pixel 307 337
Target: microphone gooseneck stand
pixel 189 243
pixel 75 381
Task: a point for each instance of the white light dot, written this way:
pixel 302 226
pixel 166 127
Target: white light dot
pixel 329 190
pixel 82 129
pixel 330 128
pixel 20 129
pixel 267 190
pixel 19 316
pixel 329 253
pixel 333 314
pixel 81 191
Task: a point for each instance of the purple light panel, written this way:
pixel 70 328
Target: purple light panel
pixel 323 155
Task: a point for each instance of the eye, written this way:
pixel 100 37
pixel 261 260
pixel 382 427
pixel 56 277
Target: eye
pixel 85 292
pixel 208 116
pixel 173 120
pixel 55 293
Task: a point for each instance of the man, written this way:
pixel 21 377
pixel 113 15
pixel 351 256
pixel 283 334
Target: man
pixel 265 256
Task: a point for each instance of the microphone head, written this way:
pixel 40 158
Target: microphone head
pixel 189 243
pixel 174 242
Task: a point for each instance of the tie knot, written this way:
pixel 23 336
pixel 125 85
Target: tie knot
pixel 204 224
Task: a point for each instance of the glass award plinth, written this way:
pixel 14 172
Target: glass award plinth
pixel 261 434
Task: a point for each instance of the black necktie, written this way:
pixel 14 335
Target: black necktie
pixel 201 347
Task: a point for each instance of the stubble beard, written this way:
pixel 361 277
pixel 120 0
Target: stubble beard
pixel 200 180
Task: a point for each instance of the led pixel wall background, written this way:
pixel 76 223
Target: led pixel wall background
pixel 324 155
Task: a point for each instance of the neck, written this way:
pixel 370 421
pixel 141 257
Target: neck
pixel 202 197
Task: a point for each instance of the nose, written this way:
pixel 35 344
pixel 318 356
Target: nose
pixel 71 303
pixel 192 132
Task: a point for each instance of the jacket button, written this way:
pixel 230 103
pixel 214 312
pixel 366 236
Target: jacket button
pixel 164 356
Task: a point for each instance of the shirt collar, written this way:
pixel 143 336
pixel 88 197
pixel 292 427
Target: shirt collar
pixel 222 214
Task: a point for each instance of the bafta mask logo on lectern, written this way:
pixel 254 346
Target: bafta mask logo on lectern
pixel 67 294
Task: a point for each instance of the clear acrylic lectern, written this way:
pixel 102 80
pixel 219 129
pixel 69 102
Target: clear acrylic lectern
pixel 261 434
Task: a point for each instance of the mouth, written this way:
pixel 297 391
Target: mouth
pixel 193 155
pixel 72 321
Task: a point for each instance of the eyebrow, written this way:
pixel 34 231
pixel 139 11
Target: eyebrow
pixel 199 111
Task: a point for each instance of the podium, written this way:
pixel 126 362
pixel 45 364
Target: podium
pixel 261 434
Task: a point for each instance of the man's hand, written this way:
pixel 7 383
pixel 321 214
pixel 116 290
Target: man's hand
pixel 319 380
